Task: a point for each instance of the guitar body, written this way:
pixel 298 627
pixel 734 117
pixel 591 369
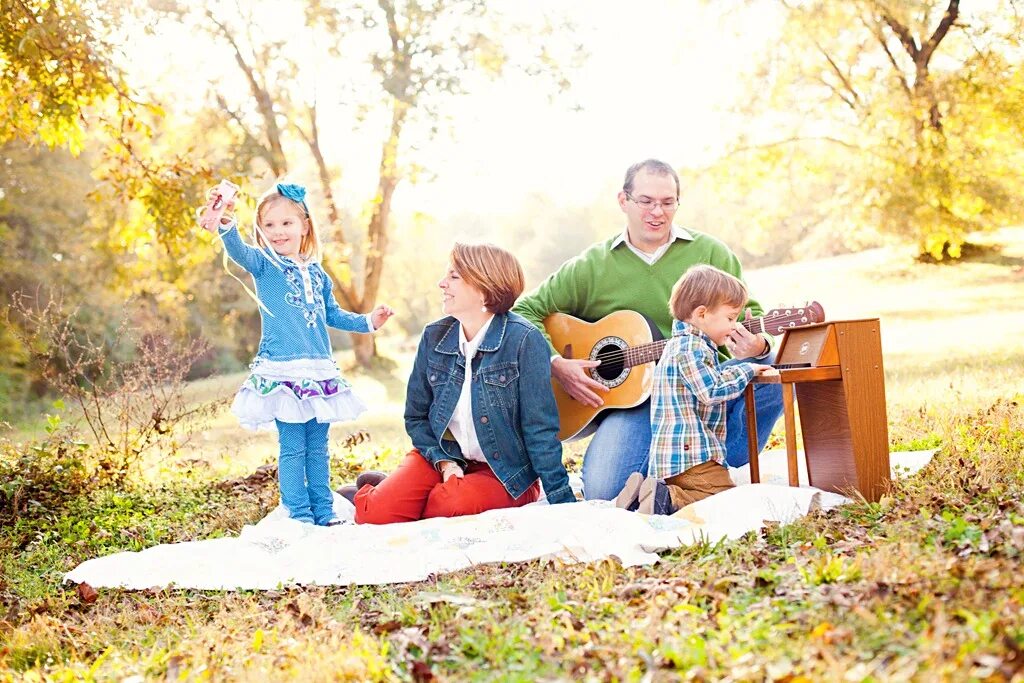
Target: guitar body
pixel 605 340
pixel 628 345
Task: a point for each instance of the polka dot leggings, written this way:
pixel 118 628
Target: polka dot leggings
pixel 303 471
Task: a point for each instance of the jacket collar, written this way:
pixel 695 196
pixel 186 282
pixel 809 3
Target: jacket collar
pixel 492 338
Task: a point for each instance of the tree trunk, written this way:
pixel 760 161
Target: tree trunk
pixel 365 348
pixel 377 232
pixel 350 298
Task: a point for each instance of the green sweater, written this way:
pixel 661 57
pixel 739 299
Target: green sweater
pixel 603 280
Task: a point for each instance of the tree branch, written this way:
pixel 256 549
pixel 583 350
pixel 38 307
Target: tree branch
pixel 903 33
pixel 350 297
pixel 789 141
pixel 952 11
pixel 234 116
pixel 835 91
pixel 841 76
pixel 264 102
pixel 880 37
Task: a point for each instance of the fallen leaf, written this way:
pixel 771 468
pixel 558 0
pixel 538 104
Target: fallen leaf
pixel 421 672
pixel 87 593
pixel 387 627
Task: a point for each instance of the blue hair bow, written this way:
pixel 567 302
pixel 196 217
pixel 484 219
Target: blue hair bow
pixel 296 193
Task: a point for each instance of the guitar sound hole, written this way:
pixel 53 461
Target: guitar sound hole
pixel 611 366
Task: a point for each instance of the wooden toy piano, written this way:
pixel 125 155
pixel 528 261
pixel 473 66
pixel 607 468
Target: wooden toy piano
pixel 836 371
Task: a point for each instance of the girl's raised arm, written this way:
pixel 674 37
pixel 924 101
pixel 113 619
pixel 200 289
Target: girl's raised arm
pixel 249 257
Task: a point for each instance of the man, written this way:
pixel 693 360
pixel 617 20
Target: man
pixel 635 270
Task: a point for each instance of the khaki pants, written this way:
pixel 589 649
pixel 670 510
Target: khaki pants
pixel 697 483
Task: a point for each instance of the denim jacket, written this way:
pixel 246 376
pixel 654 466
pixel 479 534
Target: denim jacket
pixel 514 410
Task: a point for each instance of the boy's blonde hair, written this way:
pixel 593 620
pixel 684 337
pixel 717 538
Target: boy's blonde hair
pixel 492 270
pixel 310 248
pixel 705 285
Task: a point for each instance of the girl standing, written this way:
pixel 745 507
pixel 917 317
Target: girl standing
pixel 295 385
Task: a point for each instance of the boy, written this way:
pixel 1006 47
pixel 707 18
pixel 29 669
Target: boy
pixel 689 394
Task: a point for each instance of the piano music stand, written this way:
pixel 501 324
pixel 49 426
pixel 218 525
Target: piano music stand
pixel 841 397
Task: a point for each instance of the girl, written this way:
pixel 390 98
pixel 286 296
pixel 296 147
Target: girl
pixel 295 384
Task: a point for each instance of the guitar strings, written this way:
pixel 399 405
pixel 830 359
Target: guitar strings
pixel 623 353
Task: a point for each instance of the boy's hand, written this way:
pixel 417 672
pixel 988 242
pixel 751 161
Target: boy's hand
pixel 380 315
pixel 766 370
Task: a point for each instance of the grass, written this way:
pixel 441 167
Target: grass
pixel 921 585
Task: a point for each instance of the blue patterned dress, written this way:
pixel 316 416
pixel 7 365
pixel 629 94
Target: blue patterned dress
pixel 294 376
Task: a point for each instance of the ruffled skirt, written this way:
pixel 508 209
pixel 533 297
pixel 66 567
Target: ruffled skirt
pixel 294 391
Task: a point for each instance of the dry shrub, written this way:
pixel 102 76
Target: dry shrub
pixel 127 386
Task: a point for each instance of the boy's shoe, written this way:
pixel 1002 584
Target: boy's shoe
pixel 371 477
pixel 630 493
pixel 654 498
pixel 336 522
pixel 348 492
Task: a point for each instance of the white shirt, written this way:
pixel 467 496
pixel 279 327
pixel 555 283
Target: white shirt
pixel 462 426
pixel 650 259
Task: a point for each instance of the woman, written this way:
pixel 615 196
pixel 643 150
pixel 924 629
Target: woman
pixel 481 440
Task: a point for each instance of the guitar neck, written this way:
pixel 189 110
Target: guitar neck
pixel 651 352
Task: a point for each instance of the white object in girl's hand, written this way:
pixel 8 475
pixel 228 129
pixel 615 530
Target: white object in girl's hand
pixel 219 199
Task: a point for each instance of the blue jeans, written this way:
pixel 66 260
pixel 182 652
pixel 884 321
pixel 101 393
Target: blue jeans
pixel 304 473
pixel 622 441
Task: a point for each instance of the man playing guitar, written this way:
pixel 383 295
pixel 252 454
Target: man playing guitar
pixel 635 270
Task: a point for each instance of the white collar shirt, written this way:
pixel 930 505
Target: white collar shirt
pixel 461 425
pixel 652 258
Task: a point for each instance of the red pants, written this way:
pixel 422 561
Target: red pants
pixel 415 491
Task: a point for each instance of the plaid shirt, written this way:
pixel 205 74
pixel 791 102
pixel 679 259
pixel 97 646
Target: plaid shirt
pixel 688 402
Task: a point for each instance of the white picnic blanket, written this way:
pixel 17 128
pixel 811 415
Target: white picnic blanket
pixel 280 552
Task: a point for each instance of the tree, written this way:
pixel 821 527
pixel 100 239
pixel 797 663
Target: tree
pixel 423 55
pixel 64 217
pixel 53 66
pixel 62 83
pixel 918 102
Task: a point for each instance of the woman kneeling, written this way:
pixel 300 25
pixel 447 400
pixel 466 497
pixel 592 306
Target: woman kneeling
pixel 481 437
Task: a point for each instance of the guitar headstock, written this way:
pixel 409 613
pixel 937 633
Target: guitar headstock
pixel 778 320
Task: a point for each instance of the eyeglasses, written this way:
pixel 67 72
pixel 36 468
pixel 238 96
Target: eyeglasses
pixel 648 204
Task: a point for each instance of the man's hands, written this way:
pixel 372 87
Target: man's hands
pixel 571 374
pixel 451 469
pixel 745 344
pixel 380 315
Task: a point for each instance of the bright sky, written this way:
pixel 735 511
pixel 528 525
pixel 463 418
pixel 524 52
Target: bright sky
pixel 658 80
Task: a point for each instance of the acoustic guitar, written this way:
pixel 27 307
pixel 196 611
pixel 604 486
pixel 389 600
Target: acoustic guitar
pixel 627 344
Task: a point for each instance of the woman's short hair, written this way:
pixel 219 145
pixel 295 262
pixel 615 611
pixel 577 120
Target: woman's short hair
pixel 492 270
pixel 704 285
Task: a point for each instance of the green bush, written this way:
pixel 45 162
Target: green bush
pixel 42 477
